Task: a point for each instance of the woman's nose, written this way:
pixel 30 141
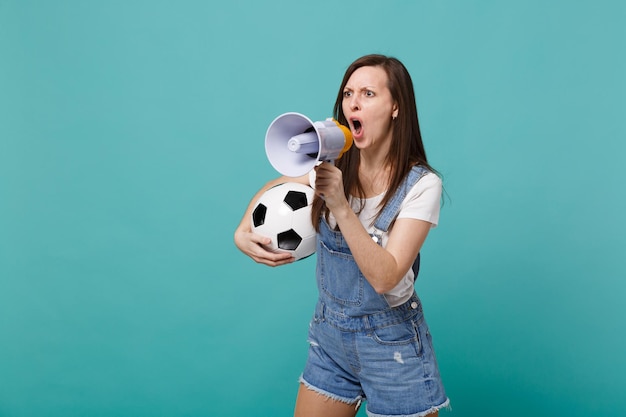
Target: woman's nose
pixel 354 103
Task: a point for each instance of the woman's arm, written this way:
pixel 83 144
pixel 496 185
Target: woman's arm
pixel 250 243
pixel 382 267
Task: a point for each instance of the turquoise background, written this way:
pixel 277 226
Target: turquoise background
pixel 131 140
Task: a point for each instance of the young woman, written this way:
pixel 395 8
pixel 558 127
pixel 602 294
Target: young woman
pixel 373 210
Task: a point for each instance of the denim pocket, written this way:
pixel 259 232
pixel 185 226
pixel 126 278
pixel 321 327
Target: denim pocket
pixel 397 334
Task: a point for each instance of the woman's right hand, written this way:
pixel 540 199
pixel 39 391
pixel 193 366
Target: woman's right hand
pixel 252 245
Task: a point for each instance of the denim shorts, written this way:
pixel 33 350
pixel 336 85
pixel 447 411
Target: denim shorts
pixel 384 358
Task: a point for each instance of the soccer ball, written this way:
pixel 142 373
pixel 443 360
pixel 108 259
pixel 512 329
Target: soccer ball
pixel 283 213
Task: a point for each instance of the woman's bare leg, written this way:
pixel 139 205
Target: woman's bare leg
pixel 311 404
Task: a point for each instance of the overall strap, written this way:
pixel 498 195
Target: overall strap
pixel 392 208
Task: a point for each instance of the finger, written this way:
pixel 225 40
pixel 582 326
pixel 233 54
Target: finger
pixel 274 259
pixel 263 252
pixel 282 257
pixel 260 239
pixel 322 169
pixel 281 263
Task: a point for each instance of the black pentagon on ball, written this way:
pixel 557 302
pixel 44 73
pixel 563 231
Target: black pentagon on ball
pixel 289 240
pixel 258 215
pixel 296 200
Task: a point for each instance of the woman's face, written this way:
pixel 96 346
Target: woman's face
pixel 369 107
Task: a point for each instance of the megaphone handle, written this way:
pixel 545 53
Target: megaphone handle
pixel 330 161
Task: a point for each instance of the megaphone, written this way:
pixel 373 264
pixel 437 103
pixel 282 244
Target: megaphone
pixel 294 144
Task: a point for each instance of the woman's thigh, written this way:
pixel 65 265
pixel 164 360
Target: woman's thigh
pixel 312 404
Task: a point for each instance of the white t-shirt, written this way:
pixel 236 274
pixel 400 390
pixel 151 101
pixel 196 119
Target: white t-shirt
pixel 421 203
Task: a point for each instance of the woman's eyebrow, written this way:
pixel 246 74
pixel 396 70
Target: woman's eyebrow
pixel 366 87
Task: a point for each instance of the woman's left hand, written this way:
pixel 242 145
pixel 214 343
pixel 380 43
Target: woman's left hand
pixel 329 185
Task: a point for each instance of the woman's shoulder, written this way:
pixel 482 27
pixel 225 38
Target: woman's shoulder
pixel 429 183
pixel 431 178
pixel 422 202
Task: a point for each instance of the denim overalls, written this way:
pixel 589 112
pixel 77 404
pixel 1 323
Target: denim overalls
pixel 360 347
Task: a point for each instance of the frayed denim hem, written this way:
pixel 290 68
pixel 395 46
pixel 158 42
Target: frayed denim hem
pixel 446 404
pixel 350 401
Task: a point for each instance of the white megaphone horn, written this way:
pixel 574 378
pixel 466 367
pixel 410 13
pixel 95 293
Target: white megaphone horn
pixel 294 144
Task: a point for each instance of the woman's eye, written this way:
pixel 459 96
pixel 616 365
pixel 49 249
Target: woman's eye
pixel 369 93
pixel 347 94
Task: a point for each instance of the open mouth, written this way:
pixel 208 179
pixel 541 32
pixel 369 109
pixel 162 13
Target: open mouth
pixel 356 125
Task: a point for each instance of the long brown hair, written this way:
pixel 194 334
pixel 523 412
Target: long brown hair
pixel 406 150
